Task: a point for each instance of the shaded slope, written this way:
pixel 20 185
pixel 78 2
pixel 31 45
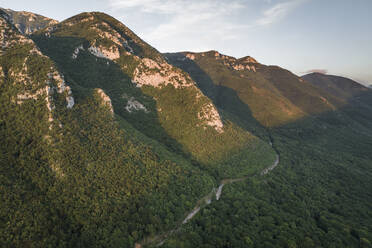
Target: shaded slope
pixel 338 86
pixel 358 97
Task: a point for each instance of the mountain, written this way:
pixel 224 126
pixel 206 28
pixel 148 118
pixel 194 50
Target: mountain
pixel 71 174
pixel 338 86
pixel 93 50
pixel 108 143
pixel 27 22
pixel 357 96
pixel 323 140
pixel 243 85
pixel 102 136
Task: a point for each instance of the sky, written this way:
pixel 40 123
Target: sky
pixel 329 36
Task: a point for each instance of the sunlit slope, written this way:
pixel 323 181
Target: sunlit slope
pixel 273 96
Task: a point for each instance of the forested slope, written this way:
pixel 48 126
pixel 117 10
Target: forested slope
pixel 96 51
pixel 70 174
pixel 319 195
pixel 105 142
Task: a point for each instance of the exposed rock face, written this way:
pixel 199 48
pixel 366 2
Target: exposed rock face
pixel 105 99
pixel 190 56
pixel 10 38
pixel 248 59
pixel 73 22
pixel 109 39
pixel 27 22
pixel 77 51
pixel 113 36
pixel 210 113
pixel 245 63
pixel 106 53
pixel 62 88
pixel 134 105
pixel 150 72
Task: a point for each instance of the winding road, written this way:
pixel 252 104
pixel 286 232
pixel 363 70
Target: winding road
pixel 206 200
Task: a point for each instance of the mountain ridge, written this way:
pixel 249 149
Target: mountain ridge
pixel 73 160
pixel 28 22
pixel 287 95
pixel 336 85
pixel 107 142
pixel 149 87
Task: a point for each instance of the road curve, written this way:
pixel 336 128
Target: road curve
pixel 206 200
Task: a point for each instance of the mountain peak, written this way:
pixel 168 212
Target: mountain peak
pixel 248 59
pixel 341 87
pixel 106 36
pixel 28 22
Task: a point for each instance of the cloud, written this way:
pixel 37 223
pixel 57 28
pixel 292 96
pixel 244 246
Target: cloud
pixel 186 19
pixel 278 12
pixel 199 24
pixel 177 6
pixel 322 71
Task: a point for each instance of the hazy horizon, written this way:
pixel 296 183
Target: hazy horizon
pixel 299 35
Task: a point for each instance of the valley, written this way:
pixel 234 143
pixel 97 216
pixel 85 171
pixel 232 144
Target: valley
pixel 214 195
pixel 107 142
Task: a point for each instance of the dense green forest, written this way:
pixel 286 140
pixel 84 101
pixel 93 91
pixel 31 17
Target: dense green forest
pixel 74 176
pixel 319 196
pixel 93 174
pixel 233 152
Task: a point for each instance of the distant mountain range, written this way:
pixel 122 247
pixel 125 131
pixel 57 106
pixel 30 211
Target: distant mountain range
pixel 108 143
pixel 338 86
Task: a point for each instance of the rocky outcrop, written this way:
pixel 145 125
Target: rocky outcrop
pixel 113 36
pixel 27 22
pixel 109 39
pixel 77 51
pixel 21 75
pixel 61 87
pixel 9 37
pixel 212 117
pixel 245 63
pixel 150 72
pixel 134 105
pixel 103 52
pixel 105 99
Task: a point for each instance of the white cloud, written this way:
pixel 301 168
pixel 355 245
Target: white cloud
pixel 177 6
pixel 278 12
pixel 201 24
pixel 207 20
